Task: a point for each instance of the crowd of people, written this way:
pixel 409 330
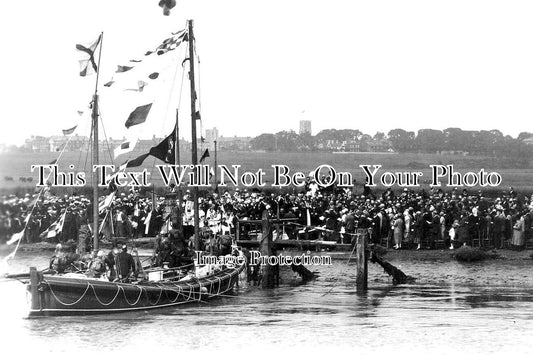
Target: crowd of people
pixel 432 218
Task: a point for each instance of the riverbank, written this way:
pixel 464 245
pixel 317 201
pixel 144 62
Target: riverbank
pixel 391 255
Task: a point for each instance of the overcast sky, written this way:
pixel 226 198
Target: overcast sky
pixel 265 65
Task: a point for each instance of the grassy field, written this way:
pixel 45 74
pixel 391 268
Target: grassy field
pixel 516 173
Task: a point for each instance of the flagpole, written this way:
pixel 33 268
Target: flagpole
pixel 177 162
pixel 194 142
pixel 216 168
pixel 95 150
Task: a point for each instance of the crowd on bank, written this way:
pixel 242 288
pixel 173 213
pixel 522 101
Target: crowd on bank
pixel 433 218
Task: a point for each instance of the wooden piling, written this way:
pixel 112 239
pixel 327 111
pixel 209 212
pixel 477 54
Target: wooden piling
pixel 362 263
pixel 35 280
pixel 269 273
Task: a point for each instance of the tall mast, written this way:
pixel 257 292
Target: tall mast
pixel 194 143
pixel 177 163
pixel 216 168
pixel 95 150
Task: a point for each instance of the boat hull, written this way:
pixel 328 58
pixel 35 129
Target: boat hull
pixel 59 295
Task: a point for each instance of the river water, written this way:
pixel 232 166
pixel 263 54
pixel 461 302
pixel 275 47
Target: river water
pixel 456 308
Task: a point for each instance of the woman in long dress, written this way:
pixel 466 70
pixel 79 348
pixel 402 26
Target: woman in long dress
pixel 398 231
pixel 518 240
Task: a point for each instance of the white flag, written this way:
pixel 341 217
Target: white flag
pixel 106 202
pixel 125 147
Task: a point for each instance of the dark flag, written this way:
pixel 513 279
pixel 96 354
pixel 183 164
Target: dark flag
pixel 109 83
pixel 202 139
pixel 53 162
pixel 154 75
pixel 137 161
pixel 165 150
pixel 205 155
pixel 88 64
pixel 138 115
pixel 66 132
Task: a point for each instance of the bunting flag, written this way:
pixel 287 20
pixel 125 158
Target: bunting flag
pixel 166 150
pixel 138 115
pixel 106 228
pixel 66 132
pixel 17 236
pixel 170 43
pixel 88 64
pixel 123 68
pixel 56 227
pixel 167 5
pixel 137 161
pixel 140 86
pixel 125 147
pixel 106 203
pixel 53 162
pixel 109 83
pixel 205 155
pixel 147 222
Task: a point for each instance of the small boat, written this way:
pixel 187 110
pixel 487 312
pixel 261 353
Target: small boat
pixel 69 294
pixel 75 293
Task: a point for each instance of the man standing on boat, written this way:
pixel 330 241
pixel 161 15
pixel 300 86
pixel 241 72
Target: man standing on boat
pixel 125 264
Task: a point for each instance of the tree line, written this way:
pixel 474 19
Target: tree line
pixel 487 143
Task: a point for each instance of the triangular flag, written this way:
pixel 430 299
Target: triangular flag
pixel 165 150
pixel 138 115
pixel 66 132
pixel 205 155
pixel 123 68
pixel 15 237
pixel 88 64
pixel 105 203
pixel 56 227
pixel 137 161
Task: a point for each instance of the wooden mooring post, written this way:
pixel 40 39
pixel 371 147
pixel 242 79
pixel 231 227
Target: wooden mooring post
pixel 35 280
pixel 361 279
pixel 270 273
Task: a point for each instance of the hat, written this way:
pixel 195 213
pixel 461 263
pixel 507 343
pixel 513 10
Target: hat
pixel 124 247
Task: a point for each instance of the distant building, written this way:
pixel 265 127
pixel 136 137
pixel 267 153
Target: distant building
pixel 75 143
pixel 37 144
pixel 211 135
pixel 305 126
pixel 234 143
